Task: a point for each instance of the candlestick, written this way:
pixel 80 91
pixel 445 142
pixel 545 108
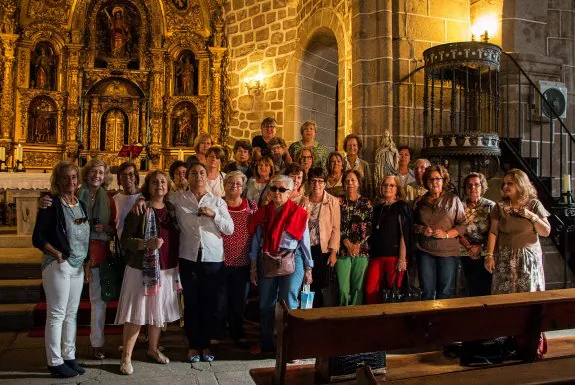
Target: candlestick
pixel 181 155
pixel 19 153
pixel 566 183
pixel 2 154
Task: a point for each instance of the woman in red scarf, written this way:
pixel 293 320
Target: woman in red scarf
pixel 279 225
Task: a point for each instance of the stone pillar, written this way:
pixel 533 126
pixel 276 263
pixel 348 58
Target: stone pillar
pixel 216 109
pixel 372 92
pixel 8 86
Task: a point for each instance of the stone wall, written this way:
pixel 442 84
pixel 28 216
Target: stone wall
pixel 271 37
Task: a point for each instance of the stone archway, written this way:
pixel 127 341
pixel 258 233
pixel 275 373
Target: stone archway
pixel 321 33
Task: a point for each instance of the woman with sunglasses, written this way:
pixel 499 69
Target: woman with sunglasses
pixel 62 233
pixel 281 225
pixel 439 218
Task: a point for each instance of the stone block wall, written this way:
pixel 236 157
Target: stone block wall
pixel 265 36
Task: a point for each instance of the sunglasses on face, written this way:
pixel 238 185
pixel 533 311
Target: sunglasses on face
pixel 280 189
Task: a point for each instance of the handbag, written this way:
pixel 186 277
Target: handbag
pixel 331 290
pixel 341 368
pixel 278 264
pixel 112 273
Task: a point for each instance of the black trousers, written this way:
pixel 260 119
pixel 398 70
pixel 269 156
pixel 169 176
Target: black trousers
pixel 200 284
pixel 478 279
pixel 320 275
pixel 232 296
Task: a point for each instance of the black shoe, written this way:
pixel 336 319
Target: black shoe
pixel 62 371
pixel 73 364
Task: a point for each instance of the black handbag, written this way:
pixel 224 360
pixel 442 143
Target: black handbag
pixel 344 367
pixel 112 273
pixel 406 293
pixel 331 290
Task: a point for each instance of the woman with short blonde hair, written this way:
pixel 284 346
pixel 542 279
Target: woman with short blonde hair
pixel 201 145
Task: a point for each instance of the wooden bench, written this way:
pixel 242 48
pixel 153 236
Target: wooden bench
pixel 552 371
pixel 327 332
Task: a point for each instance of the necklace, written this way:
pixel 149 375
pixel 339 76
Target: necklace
pixel 77 221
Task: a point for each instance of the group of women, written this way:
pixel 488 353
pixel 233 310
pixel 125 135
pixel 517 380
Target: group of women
pixel 210 234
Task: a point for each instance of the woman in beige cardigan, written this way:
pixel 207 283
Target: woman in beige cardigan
pixel 324 229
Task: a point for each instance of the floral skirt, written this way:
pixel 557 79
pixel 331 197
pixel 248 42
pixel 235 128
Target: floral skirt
pixel 518 270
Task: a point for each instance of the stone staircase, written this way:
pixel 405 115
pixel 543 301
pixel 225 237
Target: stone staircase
pixel 20 282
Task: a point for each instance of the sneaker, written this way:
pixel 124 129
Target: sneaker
pixel 73 364
pixel 62 371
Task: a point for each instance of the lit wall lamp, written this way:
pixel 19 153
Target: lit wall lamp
pixel 255 85
pixel 485 27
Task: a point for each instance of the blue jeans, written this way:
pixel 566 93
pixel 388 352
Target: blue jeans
pixel 436 275
pixel 276 289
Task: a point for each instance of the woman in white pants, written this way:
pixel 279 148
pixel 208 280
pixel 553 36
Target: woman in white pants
pixel 62 234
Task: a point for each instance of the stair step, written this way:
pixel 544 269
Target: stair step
pixel 20 263
pixel 20 290
pixel 12 240
pixel 16 316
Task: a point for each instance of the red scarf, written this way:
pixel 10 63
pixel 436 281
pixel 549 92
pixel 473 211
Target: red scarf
pixel 291 219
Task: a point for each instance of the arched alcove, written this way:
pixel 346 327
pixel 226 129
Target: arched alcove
pixel 42 121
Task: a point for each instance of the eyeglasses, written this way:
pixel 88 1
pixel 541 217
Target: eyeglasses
pixel 238 184
pixel 306 157
pixel 435 180
pixel 316 181
pixel 280 189
pixel 80 221
pixel 389 185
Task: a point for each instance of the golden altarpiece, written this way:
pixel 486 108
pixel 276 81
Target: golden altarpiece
pixel 81 78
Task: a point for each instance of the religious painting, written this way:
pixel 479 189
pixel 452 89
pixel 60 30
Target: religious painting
pixel 181 5
pixel 184 124
pixel 42 121
pixel 43 67
pixel 114 130
pixel 117 32
pixel 186 74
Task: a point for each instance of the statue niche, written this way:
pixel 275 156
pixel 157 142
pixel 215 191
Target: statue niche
pixel 184 124
pixel 117 35
pixel 43 67
pixel 186 74
pixel 114 130
pixel 42 120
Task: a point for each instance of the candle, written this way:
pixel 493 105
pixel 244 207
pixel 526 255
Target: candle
pixel 181 155
pixel 566 183
pixel 3 154
pixel 19 153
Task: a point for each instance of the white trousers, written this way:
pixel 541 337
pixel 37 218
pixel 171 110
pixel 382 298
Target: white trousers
pixel 63 287
pixel 98 311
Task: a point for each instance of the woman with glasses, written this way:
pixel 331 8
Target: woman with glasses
pixel 279 227
pixel 62 233
pixel 235 275
pixel 473 242
pixel 306 159
pixel 389 241
pixel 324 229
pixel 356 214
pixel 439 218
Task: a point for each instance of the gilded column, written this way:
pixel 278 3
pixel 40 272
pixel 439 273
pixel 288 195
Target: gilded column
pixel 8 86
pixel 216 109
pixel 95 129
pixel 156 113
pixel 142 125
pixel 74 87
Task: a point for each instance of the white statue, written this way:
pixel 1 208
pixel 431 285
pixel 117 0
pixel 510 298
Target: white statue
pixel 386 158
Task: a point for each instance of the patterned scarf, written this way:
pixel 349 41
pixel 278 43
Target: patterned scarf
pixel 151 263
